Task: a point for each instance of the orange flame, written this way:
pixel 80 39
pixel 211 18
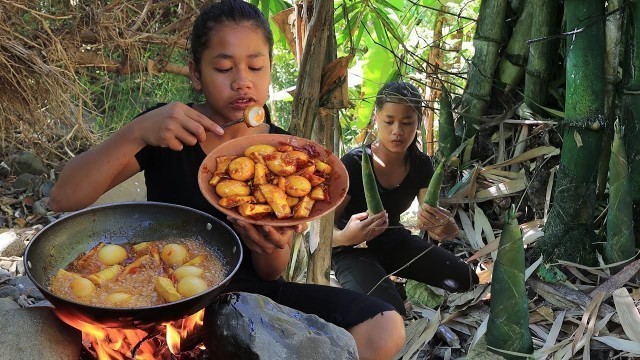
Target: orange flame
pixel 187 325
pixel 113 343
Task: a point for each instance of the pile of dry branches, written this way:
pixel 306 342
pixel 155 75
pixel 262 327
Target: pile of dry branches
pixel 47 47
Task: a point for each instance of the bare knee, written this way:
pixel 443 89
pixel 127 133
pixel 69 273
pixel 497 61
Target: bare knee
pixel 380 337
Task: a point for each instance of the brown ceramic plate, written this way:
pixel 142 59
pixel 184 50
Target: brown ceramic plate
pixel 338 181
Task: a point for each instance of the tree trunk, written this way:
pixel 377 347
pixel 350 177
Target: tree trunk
pixel 308 115
pixel 569 231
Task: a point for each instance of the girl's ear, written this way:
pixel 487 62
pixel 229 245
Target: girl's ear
pixel 194 74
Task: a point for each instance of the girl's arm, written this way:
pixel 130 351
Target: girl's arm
pixel 360 228
pixel 437 221
pixel 89 175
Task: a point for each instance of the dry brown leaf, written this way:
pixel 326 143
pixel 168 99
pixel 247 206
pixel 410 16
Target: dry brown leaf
pixel 629 316
pixel 620 344
pixel 588 321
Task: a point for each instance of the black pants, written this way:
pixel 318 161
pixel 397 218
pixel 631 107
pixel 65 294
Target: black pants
pixel 341 307
pixel 361 269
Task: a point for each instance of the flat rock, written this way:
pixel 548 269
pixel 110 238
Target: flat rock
pixel 248 326
pixel 35 333
pixel 11 244
pixel 8 304
pixel 26 162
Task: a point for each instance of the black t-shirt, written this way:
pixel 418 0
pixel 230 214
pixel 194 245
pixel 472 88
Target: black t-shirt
pixel 395 201
pixel 172 177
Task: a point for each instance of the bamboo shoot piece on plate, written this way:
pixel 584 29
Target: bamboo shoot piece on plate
pixel 164 287
pixel 105 275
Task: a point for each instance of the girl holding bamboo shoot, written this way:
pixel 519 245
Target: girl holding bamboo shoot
pixel 232 47
pixel 400 173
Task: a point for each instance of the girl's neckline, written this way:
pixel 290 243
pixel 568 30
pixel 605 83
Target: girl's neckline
pixel 396 184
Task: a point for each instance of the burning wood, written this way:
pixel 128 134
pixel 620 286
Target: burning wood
pixel 161 341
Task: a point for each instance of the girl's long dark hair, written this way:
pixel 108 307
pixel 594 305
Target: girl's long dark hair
pixel 402 93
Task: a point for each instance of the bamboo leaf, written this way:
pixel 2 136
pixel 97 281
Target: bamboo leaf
pixel 481 223
pixel 427 335
pixel 500 190
pixel 620 344
pixel 528 155
pixel 467 227
pixel 629 316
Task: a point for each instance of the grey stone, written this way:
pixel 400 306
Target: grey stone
pixel 248 326
pixel 4 170
pixel 26 162
pixel 40 208
pixel 43 303
pixel 4 275
pixel 26 181
pixel 37 334
pixel 26 287
pixel 8 304
pixel 11 244
pixel 9 292
pixel 44 190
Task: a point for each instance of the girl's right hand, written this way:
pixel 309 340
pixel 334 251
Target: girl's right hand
pixel 175 125
pixel 364 227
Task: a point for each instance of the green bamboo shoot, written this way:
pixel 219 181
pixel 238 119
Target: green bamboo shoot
pixel 620 244
pixel 448 142
pixel 371 194
pixel 433 190
pixel 508 325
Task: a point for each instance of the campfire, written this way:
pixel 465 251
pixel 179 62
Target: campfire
pixel 180 339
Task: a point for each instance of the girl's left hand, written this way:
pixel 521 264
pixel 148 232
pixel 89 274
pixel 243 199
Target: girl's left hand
pixel 438 222
pixel 265 239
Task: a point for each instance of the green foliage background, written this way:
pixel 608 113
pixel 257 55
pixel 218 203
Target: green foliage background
pixel 390 40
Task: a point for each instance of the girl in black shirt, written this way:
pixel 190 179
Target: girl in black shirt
pixel 231 46
pixel 402 173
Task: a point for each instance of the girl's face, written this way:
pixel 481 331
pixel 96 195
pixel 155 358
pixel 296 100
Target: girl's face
pixel 234 71
pixel 397 126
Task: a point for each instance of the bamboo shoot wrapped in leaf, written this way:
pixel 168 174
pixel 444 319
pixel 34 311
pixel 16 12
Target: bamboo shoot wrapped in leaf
pixel 448 142
pixel 433 190
pixel 620 244
pixel 372 196
pixel 508 325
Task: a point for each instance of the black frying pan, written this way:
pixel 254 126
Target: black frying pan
pixel 60 242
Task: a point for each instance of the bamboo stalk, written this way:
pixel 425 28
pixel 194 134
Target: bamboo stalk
pixel 488 40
